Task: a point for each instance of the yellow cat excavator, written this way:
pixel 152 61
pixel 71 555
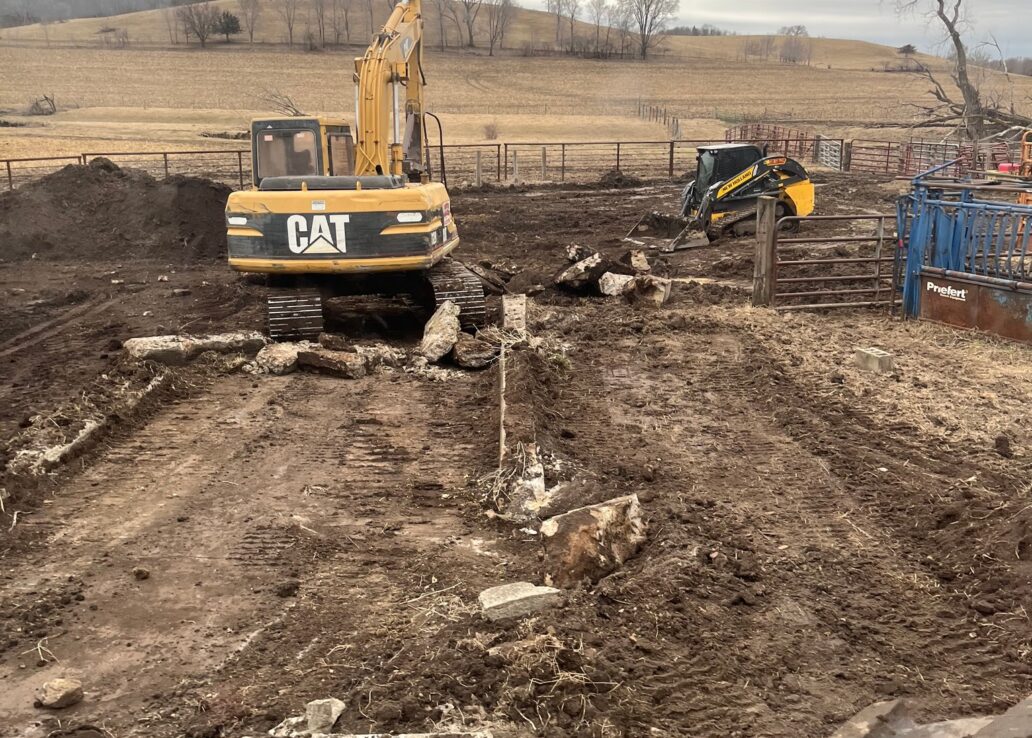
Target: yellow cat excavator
pixel 332 213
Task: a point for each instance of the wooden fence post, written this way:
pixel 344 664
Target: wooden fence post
pixel 544 163
pixel 765 267
pixel 10 176
pixel 515 168
pixel 671 162
pixel 618 155
pixel 479 176
pixel 562 166
pixel 165 157
pixel 240 168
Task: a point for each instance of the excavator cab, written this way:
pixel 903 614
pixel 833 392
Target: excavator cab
pixel 301 147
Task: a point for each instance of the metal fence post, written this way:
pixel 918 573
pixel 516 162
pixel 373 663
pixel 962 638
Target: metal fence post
pixel 671 167
pixel 478 177
pixel 498 162
pixel 765 267
pixel 10 176
pixel 505 169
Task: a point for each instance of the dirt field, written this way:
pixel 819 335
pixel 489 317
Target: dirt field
pixel 819 537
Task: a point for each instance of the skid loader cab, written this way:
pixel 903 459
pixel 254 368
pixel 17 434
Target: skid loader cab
pixel 301 147
pixel 716 164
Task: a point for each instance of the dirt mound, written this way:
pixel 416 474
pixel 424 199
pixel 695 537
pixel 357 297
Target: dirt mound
pixel 99 211
pixel 616 178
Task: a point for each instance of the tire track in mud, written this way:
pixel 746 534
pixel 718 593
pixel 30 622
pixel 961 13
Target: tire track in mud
pixel 779 553
pixel 234 501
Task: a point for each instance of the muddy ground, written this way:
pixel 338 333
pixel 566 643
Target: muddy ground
pixel 819 538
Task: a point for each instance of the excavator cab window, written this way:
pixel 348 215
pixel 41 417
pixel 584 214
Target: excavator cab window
pixel 287 153
pixel 342 154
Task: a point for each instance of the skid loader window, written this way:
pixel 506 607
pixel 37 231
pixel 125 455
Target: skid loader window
pixel 287 154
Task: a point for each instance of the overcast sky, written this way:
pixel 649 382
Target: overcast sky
pixel 870 20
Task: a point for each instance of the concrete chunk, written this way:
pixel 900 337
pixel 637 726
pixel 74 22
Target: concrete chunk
pixel 590 542
pixel 584 274
pixel 650 289
pixel 59 693
pixel 963 728
pixel 576 252
pixel 614 285
pixel 880 720
pixel 636 260
pixel 517 600
pixel 1015 723
pixel 322 714
pixel 472 353
pixel 874 360
pixel 280 358
pixel 177 350
pixel 338 363
pixel 441 332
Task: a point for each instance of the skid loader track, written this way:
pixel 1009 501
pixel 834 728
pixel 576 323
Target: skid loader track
pixel 450 280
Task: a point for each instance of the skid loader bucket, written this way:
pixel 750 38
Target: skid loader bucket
pixel 667 233
pixel 692 237
pixel 657 225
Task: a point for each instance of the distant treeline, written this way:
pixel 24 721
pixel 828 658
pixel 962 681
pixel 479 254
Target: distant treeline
pixel 706 30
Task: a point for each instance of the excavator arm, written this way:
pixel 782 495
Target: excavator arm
pixel 389 98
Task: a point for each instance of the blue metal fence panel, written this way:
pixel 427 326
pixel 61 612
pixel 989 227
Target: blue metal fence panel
pixel 954 230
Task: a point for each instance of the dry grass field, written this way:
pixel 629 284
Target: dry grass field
pixel 153 95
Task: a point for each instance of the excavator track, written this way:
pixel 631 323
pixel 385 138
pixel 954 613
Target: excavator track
pixel 450 280
pixel 295 315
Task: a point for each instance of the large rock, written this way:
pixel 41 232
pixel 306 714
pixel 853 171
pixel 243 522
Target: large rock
pixel 472 353
pixel 1015 723
pixel 879 720
pixel 322 714
pixel 614 285
pixel 441 332
pixel 592 541
pixel 380 355
pixel 584 274
pixel 517 600
pixel 576 252
pixel 334 341
pixel 650 289
pixel 338 363
pixel 636 260
pixel 280 358
pixel 514 314
pixel 59 693
pixel 180 349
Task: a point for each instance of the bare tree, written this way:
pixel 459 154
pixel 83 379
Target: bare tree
pixel 280 102
pixel 250 11
pixel 499 15
pixel 470 10
pixel 556 7
pixel 598 10
pixel 621 20
pixel 441 6
pixel 171 25
pixel 949 13
pixel 199 19
pixel 340 20
pixel 287 10
pixel 572 9
pixel 649 19
pixel 318 14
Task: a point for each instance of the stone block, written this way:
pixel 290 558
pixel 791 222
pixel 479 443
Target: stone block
pixel 441 332
pixel 880 720
pixel 472 353
pixel 322 714
pixel 514 314
pixel 59 693
pixel 614 285
pixel 517 600
pixel 874 360
pixel 338 363
pixel 1015 723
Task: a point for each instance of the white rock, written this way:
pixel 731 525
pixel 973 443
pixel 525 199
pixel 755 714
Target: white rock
pixel 583 273
pixel 180 349
pixel 636 260
pixel 322 714
pixel 280 358
pixel 441 332
pixel 59 693
pixel 517 600
pixel 615 285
